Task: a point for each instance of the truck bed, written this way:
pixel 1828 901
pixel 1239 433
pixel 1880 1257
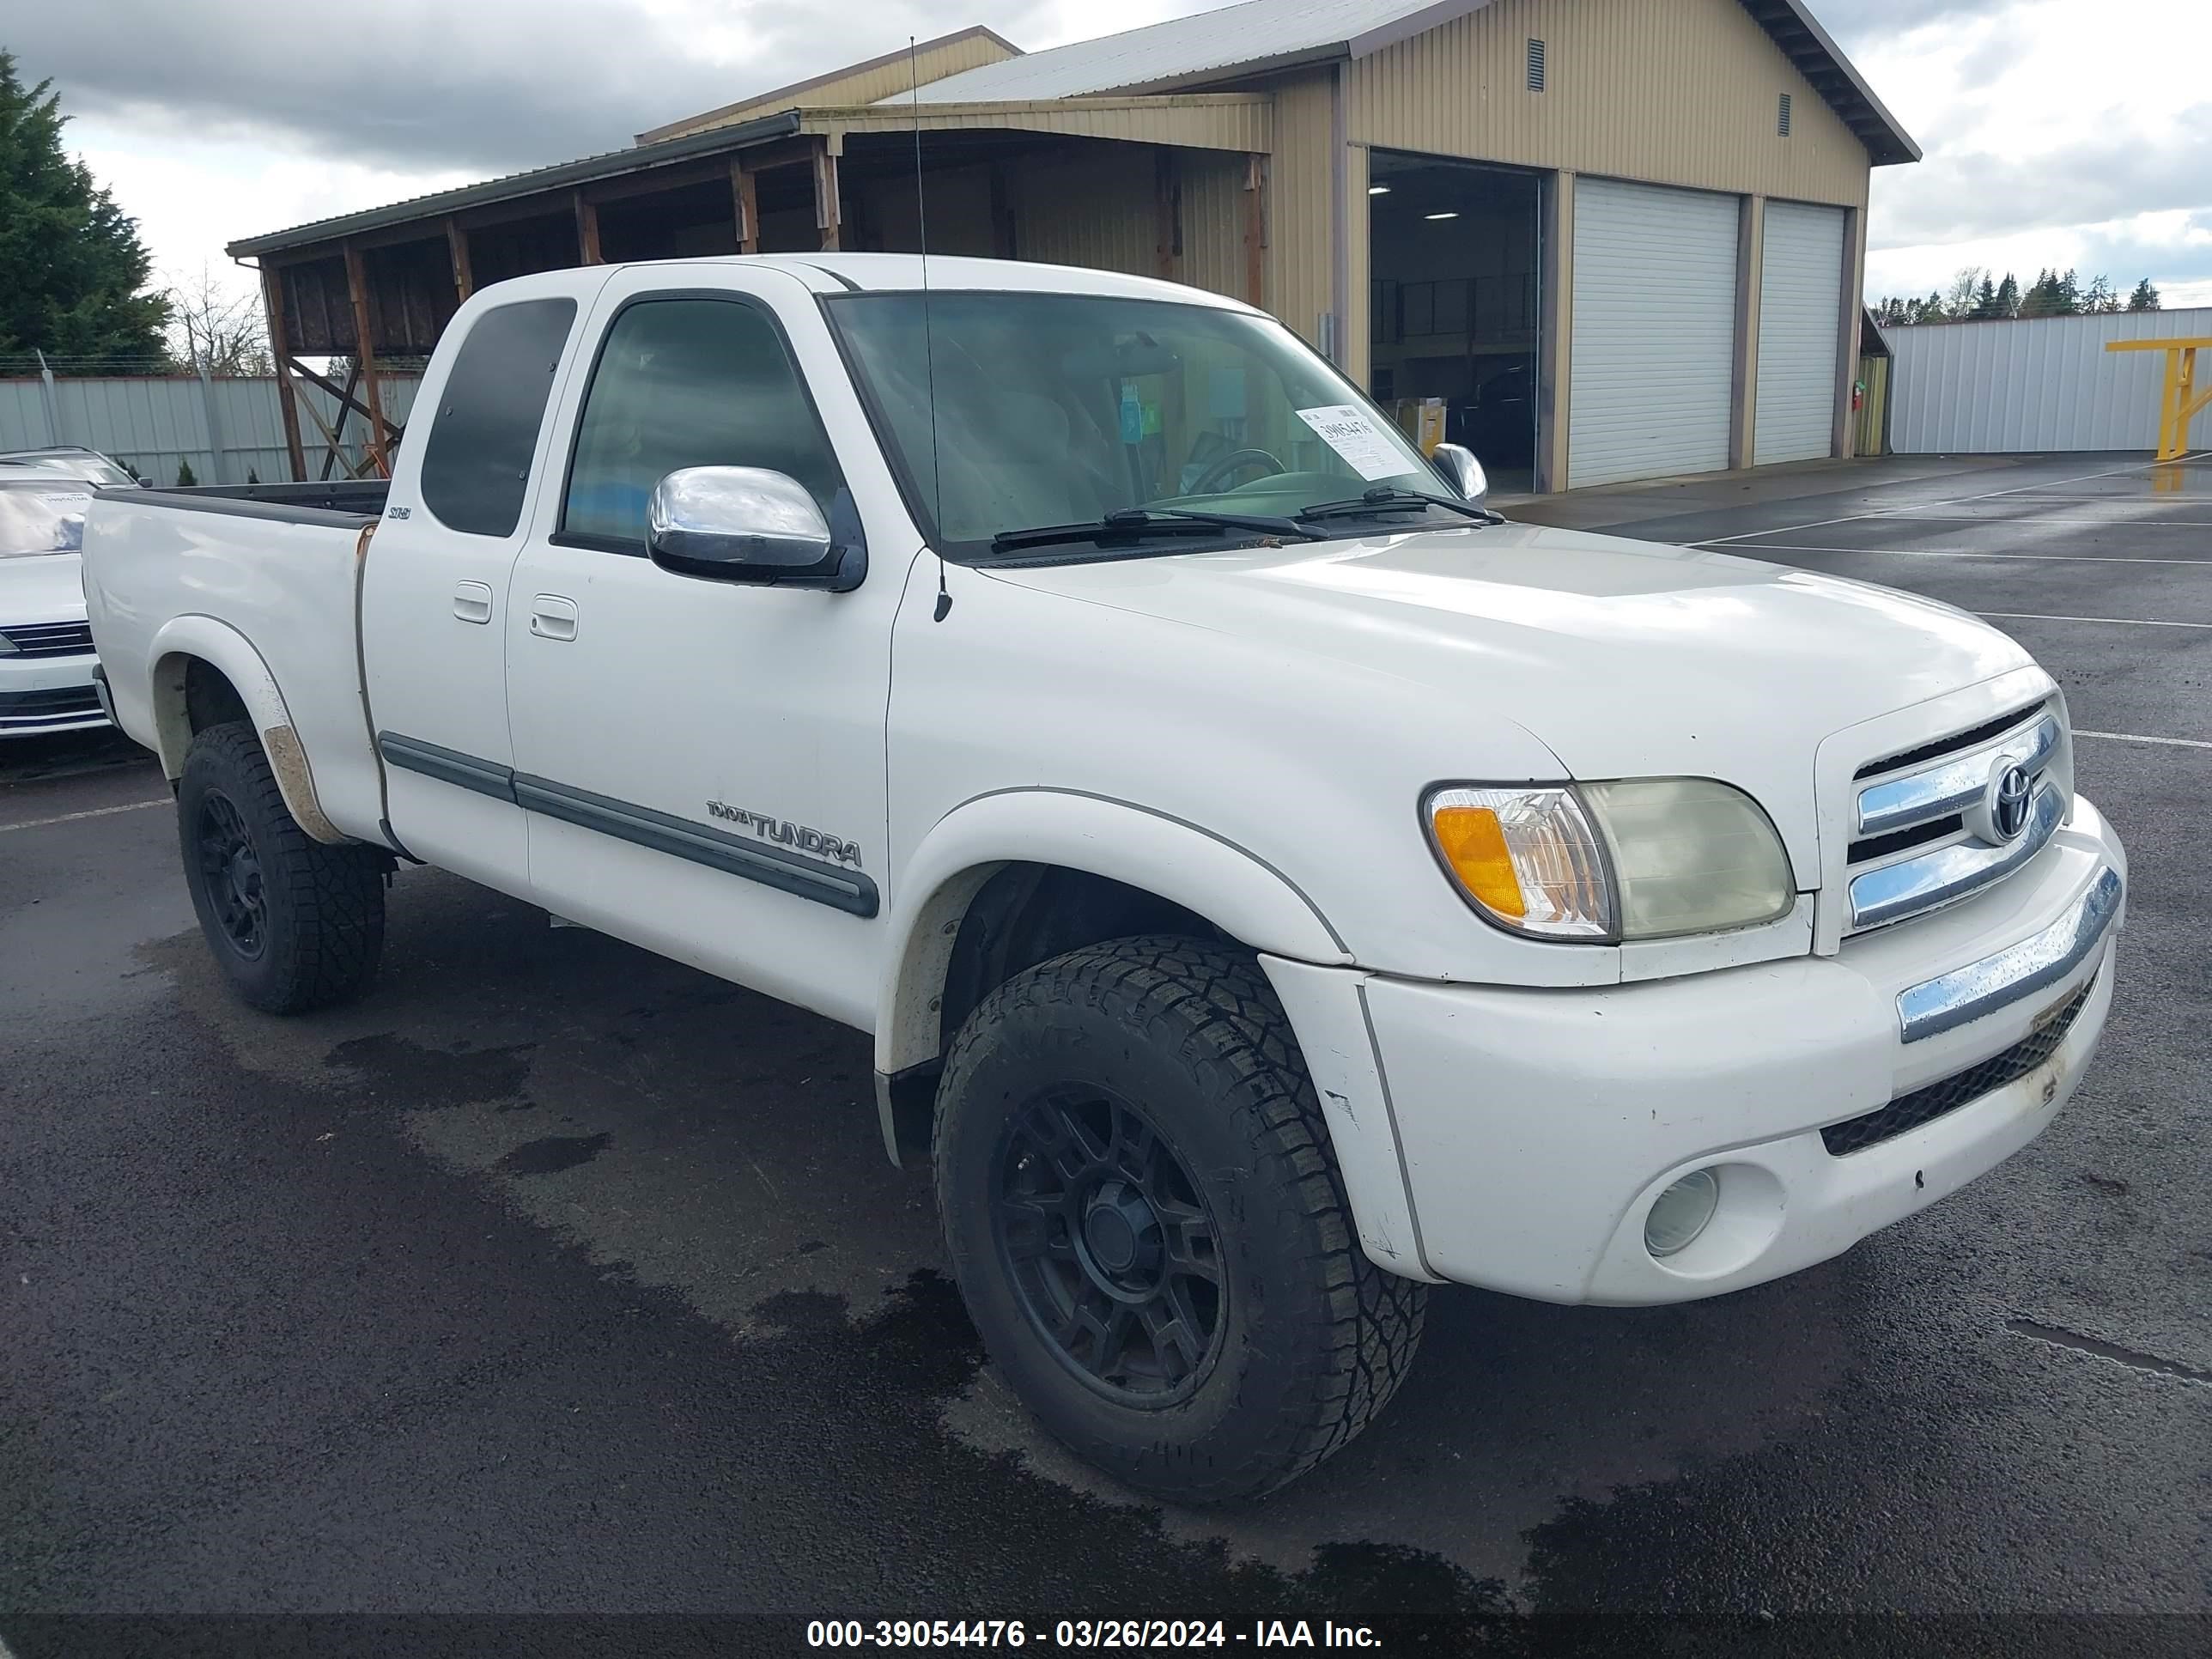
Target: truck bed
pixel 261 582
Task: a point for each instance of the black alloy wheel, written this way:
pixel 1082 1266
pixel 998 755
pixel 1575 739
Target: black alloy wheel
pixel 232 871
pixel 1110 1247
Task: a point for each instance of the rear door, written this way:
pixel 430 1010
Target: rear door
pixel 1652 371
pixel 1801 315
pixel 702 761
pixel 435 588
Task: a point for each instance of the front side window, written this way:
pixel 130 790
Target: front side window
pixel 47 517
pixel 1009 412
pixel 475 470
pixel 688 382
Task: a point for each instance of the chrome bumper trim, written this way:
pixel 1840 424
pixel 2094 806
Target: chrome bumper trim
pixel 1906 888
pixel 1982 987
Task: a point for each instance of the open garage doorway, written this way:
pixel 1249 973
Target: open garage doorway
pixel 1455 258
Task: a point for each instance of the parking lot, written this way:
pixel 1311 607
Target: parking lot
pixel 555 1277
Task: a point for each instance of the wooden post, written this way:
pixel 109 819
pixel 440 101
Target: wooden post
pixel 364 352
pixel 1167 187
pixel 457 244
pixel 1256 229
pixel 280 352
pixel 587 231
pixel 745 197
pixel 828 210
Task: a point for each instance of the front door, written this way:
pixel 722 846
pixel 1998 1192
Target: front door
pixel 701 762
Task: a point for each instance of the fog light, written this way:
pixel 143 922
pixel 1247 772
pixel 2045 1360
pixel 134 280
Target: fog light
pixel 1679 1214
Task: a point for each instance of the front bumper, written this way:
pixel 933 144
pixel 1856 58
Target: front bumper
pixel 1530 1132
pixel 39 695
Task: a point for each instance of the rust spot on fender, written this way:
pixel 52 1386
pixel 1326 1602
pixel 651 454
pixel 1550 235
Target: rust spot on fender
pixel 289 762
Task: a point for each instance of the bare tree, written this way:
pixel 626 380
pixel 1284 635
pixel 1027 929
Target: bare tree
pixel 215 329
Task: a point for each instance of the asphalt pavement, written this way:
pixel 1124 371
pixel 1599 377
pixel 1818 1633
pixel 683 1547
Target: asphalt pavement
pixel 553 1278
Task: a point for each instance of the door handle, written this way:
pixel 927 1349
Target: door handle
pixel 552 617
pixel 472 601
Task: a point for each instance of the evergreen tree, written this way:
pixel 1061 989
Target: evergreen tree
pixel 2145 298
pixel 71 263
pixel 2067 292
pixel 1985 301
pixel 2008 296
pixel 2041 299
pixel 2098 297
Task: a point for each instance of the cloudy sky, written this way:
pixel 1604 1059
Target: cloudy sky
pixel 2057 132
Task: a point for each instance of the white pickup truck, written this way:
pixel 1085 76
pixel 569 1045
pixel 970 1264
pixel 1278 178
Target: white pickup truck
pixel 1273 883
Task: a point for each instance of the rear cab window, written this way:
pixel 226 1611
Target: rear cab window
pixel 476 469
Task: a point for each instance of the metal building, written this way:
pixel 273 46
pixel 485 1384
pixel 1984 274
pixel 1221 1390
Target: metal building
pixel 1596 240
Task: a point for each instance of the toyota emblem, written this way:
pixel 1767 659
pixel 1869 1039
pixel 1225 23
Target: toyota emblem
pixel 2008 799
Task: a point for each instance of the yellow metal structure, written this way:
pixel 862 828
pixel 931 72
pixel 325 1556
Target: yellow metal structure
pixel 2178 399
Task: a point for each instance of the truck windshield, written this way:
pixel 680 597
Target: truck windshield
pixel 1008 413
pixel 46 517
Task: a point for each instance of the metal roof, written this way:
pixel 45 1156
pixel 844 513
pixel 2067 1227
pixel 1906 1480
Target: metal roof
pixel 1261 35
pixel 610 164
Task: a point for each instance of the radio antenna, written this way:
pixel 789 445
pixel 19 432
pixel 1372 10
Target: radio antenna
pixel 928 350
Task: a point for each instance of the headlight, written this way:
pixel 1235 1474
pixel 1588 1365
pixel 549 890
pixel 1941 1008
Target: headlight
pixel 1651 858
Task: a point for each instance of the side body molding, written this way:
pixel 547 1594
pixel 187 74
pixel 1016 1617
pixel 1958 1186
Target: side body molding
pixel 217 642
pixel 1203 872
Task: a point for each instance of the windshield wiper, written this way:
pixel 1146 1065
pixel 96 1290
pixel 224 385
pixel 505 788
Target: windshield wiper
pixel 1384 499
pixel 1135 523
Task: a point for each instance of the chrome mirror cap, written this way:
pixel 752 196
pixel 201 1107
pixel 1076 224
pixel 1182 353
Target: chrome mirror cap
pixel 1461 470
pixel 738 516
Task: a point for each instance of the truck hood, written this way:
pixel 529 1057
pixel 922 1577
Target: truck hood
pixel 41 588
pixel 1626 659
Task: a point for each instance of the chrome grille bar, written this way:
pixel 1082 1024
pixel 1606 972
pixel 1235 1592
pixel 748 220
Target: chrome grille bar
pixel 1904 889
pixel 1952 787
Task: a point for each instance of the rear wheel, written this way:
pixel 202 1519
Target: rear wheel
pixel 294 923
pixel 1150 1229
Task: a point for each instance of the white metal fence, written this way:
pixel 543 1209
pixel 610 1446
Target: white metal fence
pixel 230 431
pixel 2042 383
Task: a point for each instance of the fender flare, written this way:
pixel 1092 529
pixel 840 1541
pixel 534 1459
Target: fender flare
pixel 1207 874
pixel 225 649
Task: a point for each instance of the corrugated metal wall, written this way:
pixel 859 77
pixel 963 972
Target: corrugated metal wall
pixel 1680 92
pixel 1213 218
pixel 154 425
pixel 1238 121
pixel 1300 282
pixel 1096 208
pixel 2048 384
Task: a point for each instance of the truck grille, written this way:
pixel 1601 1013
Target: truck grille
pixel 1908 1112
pixel 69 639
pixel 1933 824
pixel 34 711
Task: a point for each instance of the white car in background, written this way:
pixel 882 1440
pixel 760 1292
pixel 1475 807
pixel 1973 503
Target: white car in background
pixel 46 658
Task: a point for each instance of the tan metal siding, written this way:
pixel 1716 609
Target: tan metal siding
pixel 1678 92
pixel 1235 121
pixel 863 86
pixel 1214 206
pixel 1099 210
pixel 1299 272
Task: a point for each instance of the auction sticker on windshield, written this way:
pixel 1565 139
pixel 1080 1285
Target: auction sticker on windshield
pixel 1363 442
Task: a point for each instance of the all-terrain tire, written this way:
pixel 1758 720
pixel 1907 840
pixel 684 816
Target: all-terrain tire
pixel 1309 1338
pixel 294 923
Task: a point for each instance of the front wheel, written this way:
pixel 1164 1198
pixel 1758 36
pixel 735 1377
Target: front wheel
pixel 294 923
pixel 1148 1228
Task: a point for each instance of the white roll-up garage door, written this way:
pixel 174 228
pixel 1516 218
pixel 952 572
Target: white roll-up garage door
pixel 1653 358
pixel 1800 296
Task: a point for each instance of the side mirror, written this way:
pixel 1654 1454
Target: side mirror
pixel 746 524
pixel 1457 466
